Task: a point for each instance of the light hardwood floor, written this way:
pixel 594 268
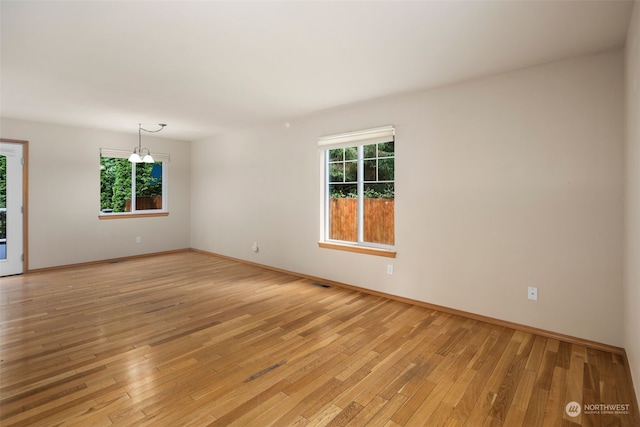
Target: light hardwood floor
pixel 192 339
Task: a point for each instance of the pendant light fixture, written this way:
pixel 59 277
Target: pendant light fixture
pixel 143 155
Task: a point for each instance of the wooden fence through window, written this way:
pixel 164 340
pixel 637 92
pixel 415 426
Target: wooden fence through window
pixel 378 220
pixel 144 203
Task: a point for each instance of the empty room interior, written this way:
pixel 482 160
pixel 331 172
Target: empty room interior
pixel 198 222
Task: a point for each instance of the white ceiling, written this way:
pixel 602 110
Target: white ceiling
pixel 207 67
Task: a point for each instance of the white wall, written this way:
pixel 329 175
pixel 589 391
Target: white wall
pixel 502 183
pixel 505 182
pixel 64 196
pixel 632 199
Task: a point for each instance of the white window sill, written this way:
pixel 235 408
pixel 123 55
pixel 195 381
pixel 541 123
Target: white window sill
pixel 131 215
pixel 358 249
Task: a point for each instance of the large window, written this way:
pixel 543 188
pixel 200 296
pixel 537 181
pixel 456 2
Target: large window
pixel 359 183
pixel 132 188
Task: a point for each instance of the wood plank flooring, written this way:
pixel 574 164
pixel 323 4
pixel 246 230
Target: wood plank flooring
pixel 188 339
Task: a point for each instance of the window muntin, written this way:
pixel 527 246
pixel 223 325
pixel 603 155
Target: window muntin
pixel 360 194
pixel 130 188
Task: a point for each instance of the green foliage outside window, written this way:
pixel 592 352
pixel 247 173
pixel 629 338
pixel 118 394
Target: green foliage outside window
pixel 115 182
pixel 379 171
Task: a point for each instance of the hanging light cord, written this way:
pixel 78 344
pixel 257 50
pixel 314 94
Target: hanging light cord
pixel 162 125
pixel 136 156
pixel 140 129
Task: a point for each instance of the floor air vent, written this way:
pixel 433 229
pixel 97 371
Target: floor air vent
pixel 321 285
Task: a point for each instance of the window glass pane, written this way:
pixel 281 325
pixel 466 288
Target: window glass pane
pixel 148 186
pixel 343 212
pixel 351 153
pixel 386 169
pixel 370 170
pixel 385 149
pixel 378 215
pixel 351 171
pixel 115 185
pixel 336 154
pixel 336 172
pixel 370 151
pixel 343 190
pixel 379 190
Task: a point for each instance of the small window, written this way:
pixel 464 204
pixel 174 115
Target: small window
pixel 360 188
pixel 132 188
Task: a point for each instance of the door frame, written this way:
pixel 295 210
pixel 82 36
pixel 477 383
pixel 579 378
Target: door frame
pixel 25 200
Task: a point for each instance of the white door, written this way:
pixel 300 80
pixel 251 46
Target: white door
pixel 11 208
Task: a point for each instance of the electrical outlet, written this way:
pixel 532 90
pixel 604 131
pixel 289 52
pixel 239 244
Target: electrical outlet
pixel 138 240
pixel 389 268
pixel 532 293
pixel 255 247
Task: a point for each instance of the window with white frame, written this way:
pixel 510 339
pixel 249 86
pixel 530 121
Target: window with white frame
pixel 132 188
pixel 359 187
